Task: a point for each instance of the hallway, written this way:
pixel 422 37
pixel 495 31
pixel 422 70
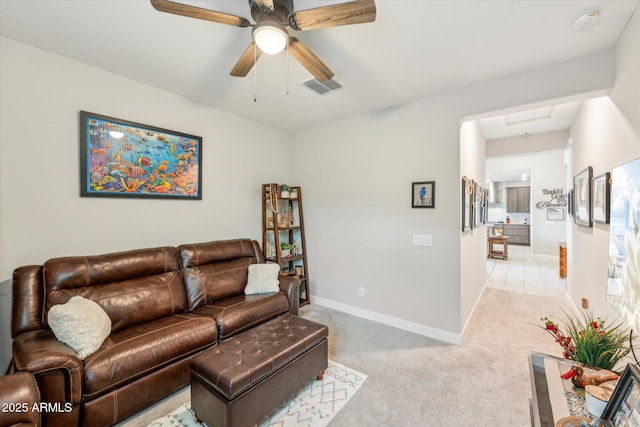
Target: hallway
pixel 526 273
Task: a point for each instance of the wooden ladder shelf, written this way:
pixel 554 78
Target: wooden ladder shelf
pixel 283 226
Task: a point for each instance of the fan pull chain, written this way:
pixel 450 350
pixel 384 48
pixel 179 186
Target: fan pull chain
pixel 287 84
pixel 255 73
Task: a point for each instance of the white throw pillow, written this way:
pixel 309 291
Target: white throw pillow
pixel 262 279
pixel 81 324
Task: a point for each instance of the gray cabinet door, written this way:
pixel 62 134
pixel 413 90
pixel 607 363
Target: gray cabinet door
pixel 518 199
pixel 512 200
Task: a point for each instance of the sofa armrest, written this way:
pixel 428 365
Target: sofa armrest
pixel 40 353
pixel 18 395
pixel 290 285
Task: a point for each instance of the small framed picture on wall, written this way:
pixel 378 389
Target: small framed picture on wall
pixel 423 194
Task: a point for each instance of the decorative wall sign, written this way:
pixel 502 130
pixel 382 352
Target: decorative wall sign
pixel 556 199
pixel 119 158
pixel 423 194
pixel 582 197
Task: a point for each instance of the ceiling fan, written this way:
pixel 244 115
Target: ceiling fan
pixel 270 34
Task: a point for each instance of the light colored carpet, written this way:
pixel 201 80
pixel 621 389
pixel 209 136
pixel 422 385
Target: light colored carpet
pixel 314 406
pixel 417 381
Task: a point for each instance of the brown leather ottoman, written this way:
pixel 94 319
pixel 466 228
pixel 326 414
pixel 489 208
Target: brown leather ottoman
pixel 243 380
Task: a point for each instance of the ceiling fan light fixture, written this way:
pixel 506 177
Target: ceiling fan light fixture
pixel 270 38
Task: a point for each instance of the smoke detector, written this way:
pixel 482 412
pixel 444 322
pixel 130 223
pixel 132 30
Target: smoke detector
pixel 585 20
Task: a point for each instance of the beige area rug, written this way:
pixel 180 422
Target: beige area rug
pixel 314 406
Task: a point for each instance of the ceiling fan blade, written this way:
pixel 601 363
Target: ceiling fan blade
pixel 354 12
pixel 246 61
pixel 199 13
pixel 309 60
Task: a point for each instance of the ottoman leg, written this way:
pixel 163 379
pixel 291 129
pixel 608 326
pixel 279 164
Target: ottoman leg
pixel 320 376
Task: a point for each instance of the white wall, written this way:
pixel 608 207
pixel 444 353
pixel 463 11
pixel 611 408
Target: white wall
pixel 356 174
pixel 515 145
pixel 41 209
pixel 605 134
pixel 473 243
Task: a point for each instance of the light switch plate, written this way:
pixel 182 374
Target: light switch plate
pixel 422 240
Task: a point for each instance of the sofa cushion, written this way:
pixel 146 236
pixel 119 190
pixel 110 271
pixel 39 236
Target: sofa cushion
pixel 262 279
pixel 216 270
pixel 81 324
pixel 133 287
pixel 241 312
pixel 134 352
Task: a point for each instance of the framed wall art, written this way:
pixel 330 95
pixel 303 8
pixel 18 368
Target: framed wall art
pixel 478 208
pixel 582 197
pixel 623 408
pixel 423 194
pixel 467 203
pixel 624 243
pixel 119 158
pixel 570 203
pixel 600 197
pixel 555 214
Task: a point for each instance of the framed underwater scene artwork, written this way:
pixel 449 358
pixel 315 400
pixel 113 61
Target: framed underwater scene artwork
pixel 119 158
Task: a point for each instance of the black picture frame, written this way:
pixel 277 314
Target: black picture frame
pixel 625 400
pixel 467 203
pixel 121 158
pixel 582 198
pixel 478 207
pixel 570 203
pixel 423 194
pixel 601 198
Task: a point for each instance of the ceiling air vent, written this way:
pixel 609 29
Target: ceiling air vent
pixel 322 88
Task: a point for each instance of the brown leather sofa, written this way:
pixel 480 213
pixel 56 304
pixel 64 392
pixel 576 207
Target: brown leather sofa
pixel 166 305
pixel 20 400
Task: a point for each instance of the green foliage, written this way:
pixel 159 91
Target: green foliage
pixel 587 340
pixel 285 246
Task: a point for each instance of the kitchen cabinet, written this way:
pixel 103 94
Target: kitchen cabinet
pixel 518 234
pixel 518 199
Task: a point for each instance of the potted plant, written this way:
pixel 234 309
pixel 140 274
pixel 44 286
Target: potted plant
pixel 284 191
pixel 589 340
pixel 286 249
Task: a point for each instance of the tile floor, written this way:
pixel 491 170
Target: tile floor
pixel 526 273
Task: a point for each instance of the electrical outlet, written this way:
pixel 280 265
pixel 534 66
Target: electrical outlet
pixel 585 303
pixel 360 291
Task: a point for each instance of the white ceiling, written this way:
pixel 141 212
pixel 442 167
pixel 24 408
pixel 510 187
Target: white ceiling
pixel 528 122
pixel 414 49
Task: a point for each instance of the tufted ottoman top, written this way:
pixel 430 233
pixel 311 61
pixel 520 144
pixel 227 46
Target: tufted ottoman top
pixel 234 365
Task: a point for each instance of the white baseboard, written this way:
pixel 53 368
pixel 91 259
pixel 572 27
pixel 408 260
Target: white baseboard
pixel 405 325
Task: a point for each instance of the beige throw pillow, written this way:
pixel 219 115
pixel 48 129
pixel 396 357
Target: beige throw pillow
pixel 262 279
pixel 81 324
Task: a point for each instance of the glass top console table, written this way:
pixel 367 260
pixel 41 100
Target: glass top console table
pixel 550 401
